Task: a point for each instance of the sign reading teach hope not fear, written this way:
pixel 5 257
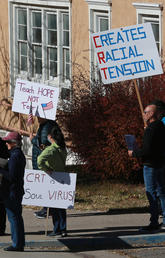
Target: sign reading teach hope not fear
pixel 127 53
pixel 42 98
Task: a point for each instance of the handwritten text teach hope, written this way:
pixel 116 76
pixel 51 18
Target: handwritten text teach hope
pixel 42 98
pixel 34 94
pixel 127 53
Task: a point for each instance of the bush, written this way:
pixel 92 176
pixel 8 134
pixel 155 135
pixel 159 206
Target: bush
pixel 98 119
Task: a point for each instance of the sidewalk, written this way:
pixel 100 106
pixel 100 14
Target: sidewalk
pixel 87 231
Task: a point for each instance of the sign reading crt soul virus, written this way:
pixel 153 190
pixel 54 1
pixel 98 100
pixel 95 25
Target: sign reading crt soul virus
pixel 127 53
pixel 56 190
pixel 42 98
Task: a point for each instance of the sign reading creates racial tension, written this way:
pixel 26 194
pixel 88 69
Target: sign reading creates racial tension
pixel 42 98
pixel 57 190
pixel 127 53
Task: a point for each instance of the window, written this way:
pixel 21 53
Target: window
pixel 40 42
pixel 151 13
pixel 99 17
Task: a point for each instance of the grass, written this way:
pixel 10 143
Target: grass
pixel 106 196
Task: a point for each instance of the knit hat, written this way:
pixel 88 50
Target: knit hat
pixel 12 137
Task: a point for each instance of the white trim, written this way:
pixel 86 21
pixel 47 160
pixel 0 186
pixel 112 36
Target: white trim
pixel 148 6
pixel 57 3
pixel 99 2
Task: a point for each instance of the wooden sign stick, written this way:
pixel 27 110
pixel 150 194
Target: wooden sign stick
pixel 139 100
pixel 46 224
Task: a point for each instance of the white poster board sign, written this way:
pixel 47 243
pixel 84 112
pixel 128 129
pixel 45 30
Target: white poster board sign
pixel 127 53
pixel 57 190
pixel 44 99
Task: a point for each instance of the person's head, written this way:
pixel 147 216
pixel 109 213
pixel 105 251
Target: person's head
pixel 41 120
pixel 160 106
pixel 55 135
pixel 150 113
pixel 13 139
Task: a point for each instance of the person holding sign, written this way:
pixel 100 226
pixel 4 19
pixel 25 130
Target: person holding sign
pixel 53 158
pixel 40 142
pixel 14 176
pixel 152 154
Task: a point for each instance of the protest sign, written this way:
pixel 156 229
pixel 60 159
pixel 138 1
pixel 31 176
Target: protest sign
pixel 131 142
pixel 127 53
pixel 57 190
pixel 43 99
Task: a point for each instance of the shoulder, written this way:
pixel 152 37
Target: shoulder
pixel 17 152
pixel 156 124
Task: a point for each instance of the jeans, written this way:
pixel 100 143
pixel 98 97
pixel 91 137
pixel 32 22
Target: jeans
pixel 154 180
pixel 14 213
pixel 59 219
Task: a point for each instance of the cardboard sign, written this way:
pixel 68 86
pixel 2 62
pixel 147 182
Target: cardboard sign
pixel 57 190
pixel 127 53
pixel 44 99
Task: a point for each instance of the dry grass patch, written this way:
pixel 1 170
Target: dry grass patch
pixel 106 195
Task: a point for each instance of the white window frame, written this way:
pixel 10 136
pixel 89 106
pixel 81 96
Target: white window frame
pixel 96 8
pixel 150 11
pixel 51 6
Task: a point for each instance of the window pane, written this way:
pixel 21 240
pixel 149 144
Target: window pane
pixel 38 66
pixel 37 35
pixel 67 56
pixel 53 69
pixel 23 49
pixel 22 32
pixel 52 38
pixel 67 71
pixel 65 21
pixel 22 17
pixel 37 60
pixel 66 38
pixel 22 56
pixel 53 54
pixel 155 28
pixel 103 24
pixel 37 20
pixel 52 21
pixel 38 52
pixel 23 63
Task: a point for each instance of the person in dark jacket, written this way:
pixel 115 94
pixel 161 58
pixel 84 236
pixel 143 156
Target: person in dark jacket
pixel 153 158
pixel 14 177
pixel 4 155
pixel 40 142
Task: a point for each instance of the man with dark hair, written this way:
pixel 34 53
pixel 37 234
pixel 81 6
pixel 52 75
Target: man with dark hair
pixel 152 154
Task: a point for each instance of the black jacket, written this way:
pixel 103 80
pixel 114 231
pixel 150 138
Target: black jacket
pixel 13 178
pixel 153 149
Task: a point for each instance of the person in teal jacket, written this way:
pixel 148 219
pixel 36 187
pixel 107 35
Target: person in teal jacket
pixel 53 158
